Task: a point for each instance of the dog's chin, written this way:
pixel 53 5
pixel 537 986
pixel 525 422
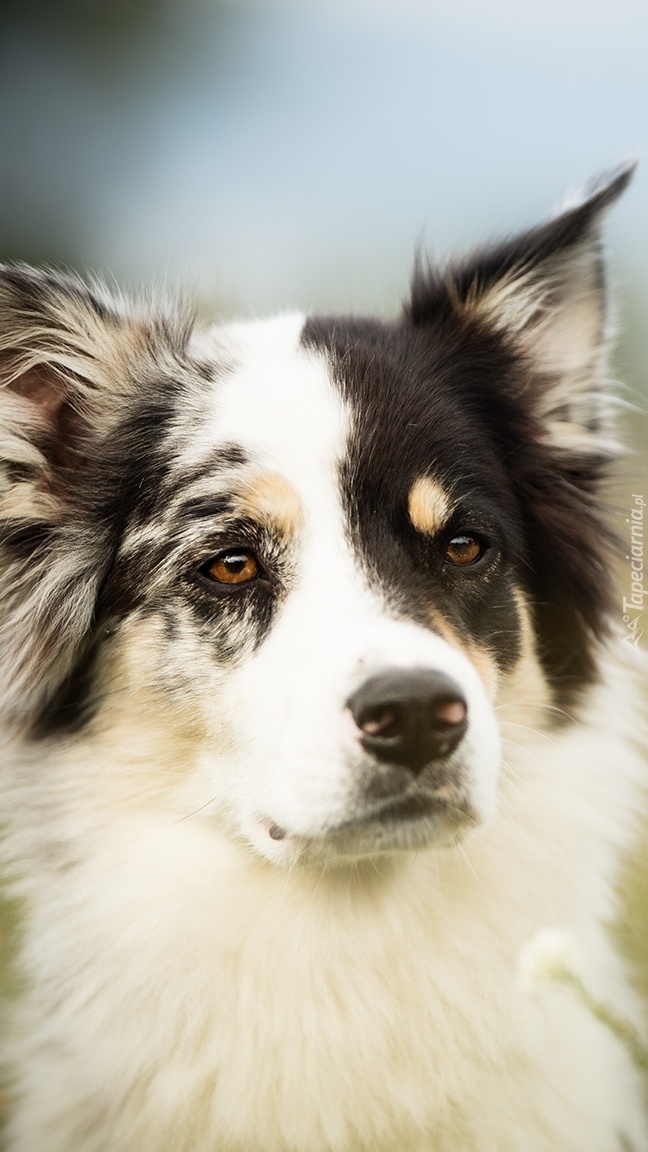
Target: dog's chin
pixel 411 824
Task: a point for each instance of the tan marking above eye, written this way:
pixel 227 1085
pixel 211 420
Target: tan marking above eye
pixel 463 549
pixel 429 505
pixel 270 497
pixel 235 566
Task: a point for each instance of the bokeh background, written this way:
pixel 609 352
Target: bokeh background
pixel 277 153
pixel 272 154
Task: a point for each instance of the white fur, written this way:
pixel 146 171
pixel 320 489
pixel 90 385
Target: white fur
pixel 191 994
pixel 297 763
pixel 320 1009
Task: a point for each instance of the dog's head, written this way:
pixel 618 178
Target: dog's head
pixel 316 557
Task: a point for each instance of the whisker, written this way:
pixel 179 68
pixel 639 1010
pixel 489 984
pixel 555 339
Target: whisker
pixel 529 701
pixel 195 811
pixel 528 728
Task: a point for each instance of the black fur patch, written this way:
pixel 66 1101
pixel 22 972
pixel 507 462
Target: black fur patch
pixel 416 405
pixel 445 398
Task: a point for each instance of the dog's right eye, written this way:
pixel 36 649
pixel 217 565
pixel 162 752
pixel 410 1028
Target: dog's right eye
pixel 464 549
pixel 233 566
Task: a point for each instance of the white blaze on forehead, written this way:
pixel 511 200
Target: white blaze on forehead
pixel 279 404
pixel 298 763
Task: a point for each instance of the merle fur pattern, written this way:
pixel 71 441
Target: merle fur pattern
pixel 455 393
pixel 188 990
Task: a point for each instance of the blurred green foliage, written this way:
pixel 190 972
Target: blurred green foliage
pixel 632 928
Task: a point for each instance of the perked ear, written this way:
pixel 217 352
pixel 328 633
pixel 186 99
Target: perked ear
pixel 544 291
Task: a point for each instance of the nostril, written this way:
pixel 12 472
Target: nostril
pixel 381 721
pixel 448 713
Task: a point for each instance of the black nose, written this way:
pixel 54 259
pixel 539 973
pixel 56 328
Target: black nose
pixel 410 717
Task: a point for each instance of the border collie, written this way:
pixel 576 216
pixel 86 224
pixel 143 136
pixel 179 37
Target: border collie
pixel 312 716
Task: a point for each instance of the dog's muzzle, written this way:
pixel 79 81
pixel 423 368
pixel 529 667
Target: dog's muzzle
pixel 413 786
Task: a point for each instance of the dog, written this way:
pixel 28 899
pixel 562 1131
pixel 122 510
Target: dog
pixel 313 718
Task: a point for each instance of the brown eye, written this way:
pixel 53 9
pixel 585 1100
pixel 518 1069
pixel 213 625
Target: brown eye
pixel 464 549
pixel 236 566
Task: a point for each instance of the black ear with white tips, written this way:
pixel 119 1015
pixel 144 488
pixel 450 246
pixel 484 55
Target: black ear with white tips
pixel 544 291
pixel 530 315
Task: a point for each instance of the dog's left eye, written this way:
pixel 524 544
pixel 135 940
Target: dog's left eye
pixel 234 566
pixel 464 548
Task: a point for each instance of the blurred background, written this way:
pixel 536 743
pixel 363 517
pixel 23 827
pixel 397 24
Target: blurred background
pixel 293 153
pixel 273 153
